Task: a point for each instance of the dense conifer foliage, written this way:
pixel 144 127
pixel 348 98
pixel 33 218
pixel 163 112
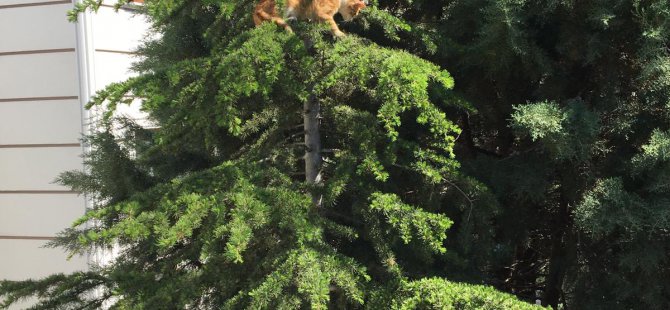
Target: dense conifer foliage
pixel 569 130
pixel 522 145
pixel 213 209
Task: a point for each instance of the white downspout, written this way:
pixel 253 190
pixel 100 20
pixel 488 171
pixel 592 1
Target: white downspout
pixel 85 60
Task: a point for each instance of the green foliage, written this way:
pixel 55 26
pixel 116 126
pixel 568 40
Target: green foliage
pixel 437 293
pixel 655 153
pixel 577 174
pixel 57 291
pixel 631 217
pixel 608 207
pixel 540 120
pixel 81 7
pixel 568 134
pixel 211 210
pixel 563 198
pixel 430 228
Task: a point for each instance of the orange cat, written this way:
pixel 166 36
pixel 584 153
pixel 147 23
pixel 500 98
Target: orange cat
pixel 318 10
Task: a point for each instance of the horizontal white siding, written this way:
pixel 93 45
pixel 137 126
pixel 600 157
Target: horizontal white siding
pixel 36 168
pixel 40 122
pixel 26 259
pixel 26 2
pixel 39 75
pixel 42 215
pixel 36 28
pixel 38 67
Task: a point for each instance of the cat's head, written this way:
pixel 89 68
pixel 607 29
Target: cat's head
pixel 350 8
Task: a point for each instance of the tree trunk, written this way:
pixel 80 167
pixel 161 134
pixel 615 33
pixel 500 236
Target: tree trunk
pixel 563 247
pixel 554 284
pixel 313 158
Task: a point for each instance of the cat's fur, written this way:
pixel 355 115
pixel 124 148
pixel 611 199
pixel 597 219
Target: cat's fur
pixel 317 10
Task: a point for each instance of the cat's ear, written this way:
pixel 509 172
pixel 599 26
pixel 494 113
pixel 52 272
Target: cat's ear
pixel 361 4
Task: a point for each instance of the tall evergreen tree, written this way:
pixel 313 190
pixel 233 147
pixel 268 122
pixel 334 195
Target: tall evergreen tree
pixel 288 171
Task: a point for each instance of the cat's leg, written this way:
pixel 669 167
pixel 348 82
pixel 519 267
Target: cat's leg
pixel 263 15
pixel 333 25
pixel 290 14
pixel 279 21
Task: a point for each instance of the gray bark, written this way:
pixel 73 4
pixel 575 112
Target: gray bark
pixel 313 157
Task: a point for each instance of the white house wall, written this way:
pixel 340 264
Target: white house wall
pixel 36 168
pixel 116 36
pixel 118 31
pixel 111 67
pixel 42 215
pixel 40 128
pixel 29 3
pixel 49 69
pixel 42 261
pixel 43 75
pixel 53 31
pixel 41 122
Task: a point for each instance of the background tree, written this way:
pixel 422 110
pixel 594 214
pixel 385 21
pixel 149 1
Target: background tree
pixel 569 131
pixel 287 172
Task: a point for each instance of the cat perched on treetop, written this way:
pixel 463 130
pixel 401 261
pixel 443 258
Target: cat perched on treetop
pixel 319 10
